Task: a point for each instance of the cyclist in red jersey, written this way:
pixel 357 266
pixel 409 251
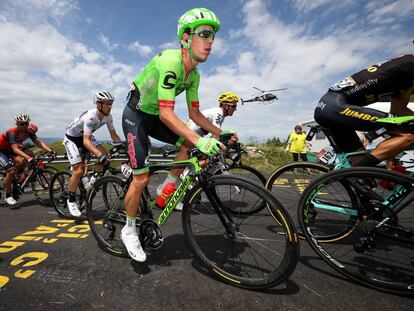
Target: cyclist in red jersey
pixel 12 157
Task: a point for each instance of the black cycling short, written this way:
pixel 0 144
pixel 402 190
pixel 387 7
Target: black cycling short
pixel 137 127
pixel 343 119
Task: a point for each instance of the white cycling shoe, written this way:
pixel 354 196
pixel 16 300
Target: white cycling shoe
pixel 74 209
pixel 133 246
pixel 11 202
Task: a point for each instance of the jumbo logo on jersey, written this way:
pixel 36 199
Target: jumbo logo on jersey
pixel 167 84
pixel 359 115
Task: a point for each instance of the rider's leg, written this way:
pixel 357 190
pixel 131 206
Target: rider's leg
pixel 174 173
pixel 132 202
pixel 392 146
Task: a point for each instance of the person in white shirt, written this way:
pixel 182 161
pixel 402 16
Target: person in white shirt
pixel 79 142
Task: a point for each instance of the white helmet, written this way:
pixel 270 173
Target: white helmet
pixel 101 96
pixel 22 118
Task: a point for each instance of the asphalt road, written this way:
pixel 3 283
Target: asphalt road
pixel 47 263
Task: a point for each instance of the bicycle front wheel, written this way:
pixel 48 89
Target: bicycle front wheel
pixel 249 250
pixel 376 249
pixel 41 184
pixel 289 181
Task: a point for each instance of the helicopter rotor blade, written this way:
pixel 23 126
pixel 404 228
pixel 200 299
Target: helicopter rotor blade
pixel 285 88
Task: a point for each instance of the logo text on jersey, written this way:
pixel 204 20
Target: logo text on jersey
pixel 359 115
pixel 169 80
pixel 130 122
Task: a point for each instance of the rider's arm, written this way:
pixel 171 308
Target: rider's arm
pixel 17 151
pixel 87 142
pixel 114 136
pixel 399 103
pixel 112 132
pixel 170 119
pixel 199 119
pixel 42 145
pixel 193 108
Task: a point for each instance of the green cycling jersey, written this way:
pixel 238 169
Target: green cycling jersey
pixel 163 79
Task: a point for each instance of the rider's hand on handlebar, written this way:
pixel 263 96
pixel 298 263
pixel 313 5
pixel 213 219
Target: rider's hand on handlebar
pixel 209 146
pixel 229 137
pixel 103 158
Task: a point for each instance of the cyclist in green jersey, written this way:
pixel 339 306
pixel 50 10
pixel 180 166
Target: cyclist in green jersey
pixel 150 109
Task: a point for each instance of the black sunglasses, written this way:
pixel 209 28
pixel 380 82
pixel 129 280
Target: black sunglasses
pixel 23 123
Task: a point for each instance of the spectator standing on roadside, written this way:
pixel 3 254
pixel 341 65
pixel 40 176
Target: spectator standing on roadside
pixel 297 144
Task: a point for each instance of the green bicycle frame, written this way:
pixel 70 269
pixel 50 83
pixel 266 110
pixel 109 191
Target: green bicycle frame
pixel 179 193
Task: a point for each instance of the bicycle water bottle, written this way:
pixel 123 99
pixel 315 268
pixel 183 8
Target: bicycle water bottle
pixel 85 182
pixel 165 194
pixel 93 179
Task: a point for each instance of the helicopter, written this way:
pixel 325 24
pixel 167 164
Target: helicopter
pixel 265 96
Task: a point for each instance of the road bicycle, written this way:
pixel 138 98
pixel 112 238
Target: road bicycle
pixel 361 222
pixel 249 250
pixel 58 189
pixel 36 176
pixel 367 236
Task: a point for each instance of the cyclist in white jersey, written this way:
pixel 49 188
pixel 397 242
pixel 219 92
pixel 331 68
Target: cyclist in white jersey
pixel 228 105
pixel 79 142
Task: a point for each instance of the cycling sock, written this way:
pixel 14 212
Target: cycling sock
pixel 8 194
pixel 72 196
pixel 130 226
pixel 368 160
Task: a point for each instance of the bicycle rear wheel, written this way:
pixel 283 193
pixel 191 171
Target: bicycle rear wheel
pixel 41 184
pixel 59 194
pixel 289 181
pixel 378 248
pixel 258 252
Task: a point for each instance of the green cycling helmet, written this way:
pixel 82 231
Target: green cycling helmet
pixel 193 18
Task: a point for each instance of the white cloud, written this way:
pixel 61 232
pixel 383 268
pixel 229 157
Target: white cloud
pixel 308 5
pixel 386 12
pixel 143 50
pixel 105 41
pixel 52 77
pixel 170 45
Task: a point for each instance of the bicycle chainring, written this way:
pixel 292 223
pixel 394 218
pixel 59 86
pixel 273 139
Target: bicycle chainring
pixel 150 234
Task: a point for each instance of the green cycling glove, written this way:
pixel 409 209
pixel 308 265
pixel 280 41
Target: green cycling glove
pixel 208 146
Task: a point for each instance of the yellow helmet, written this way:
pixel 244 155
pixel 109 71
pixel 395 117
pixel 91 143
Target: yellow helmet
pixel 228 98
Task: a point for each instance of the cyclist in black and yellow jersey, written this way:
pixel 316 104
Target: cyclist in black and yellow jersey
pixel 342 108
pixel 150 109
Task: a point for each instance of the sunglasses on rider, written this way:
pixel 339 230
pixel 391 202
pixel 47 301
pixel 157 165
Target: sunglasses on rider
pixel 204 33
pixel 23 124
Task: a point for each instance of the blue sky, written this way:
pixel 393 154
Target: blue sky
pixel 56 54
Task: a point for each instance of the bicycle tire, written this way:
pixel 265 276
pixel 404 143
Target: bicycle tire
pixel 379 252
pixel 288 182
pixel 106 213
pixel 41 185
pixel 59 193
pixel 247 172
pixel 205 234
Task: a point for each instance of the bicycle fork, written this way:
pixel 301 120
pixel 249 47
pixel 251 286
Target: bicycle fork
pixel 222 212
